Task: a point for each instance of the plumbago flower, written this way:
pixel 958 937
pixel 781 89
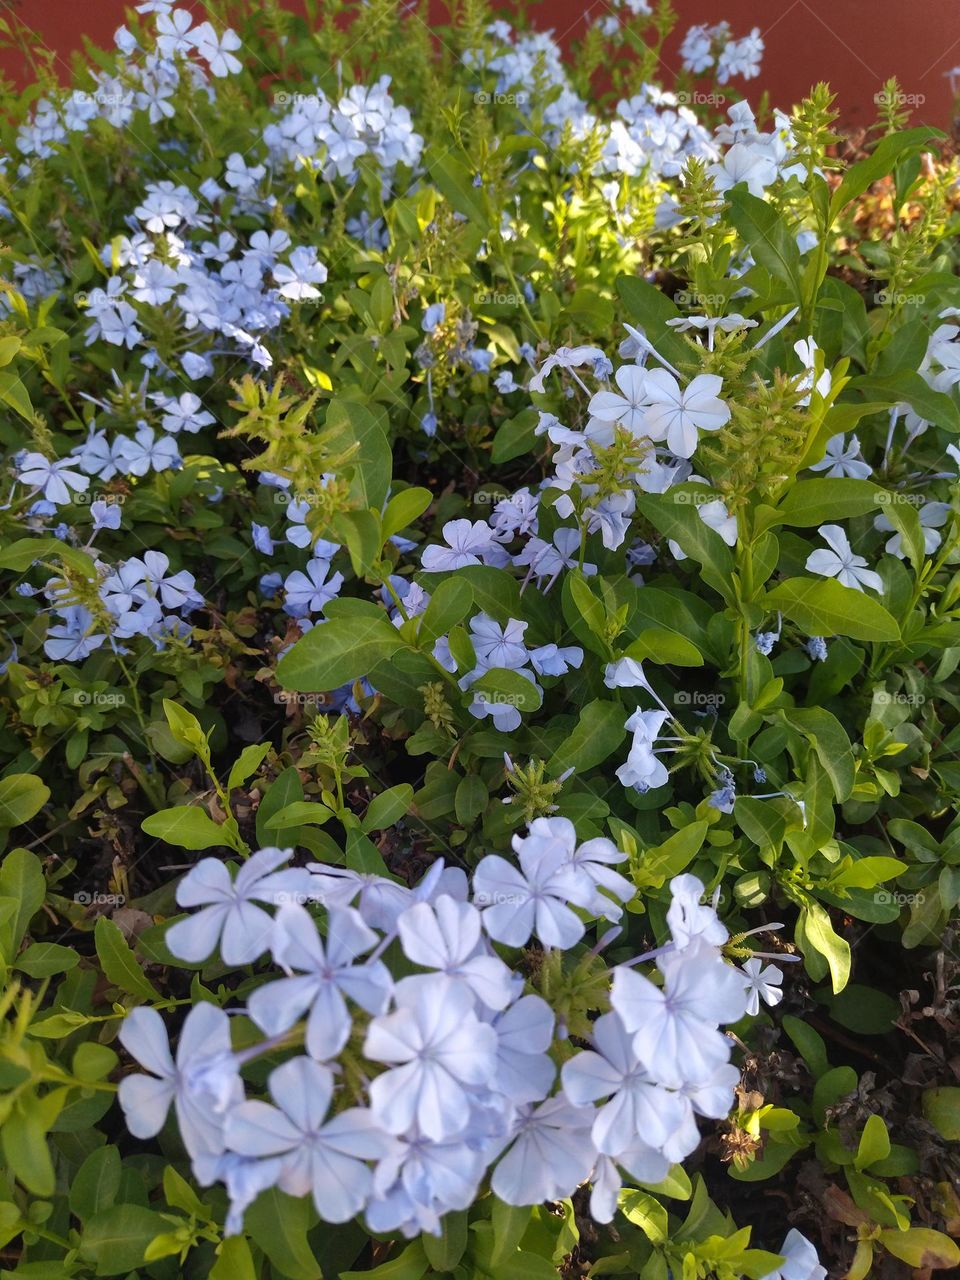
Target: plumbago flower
pixel 319 1156
pixel 841 562
pixel 204 1044
pixel 447 1073
pixel 323 972
pixel 230 917
pixel 535 898
pixel 437 1050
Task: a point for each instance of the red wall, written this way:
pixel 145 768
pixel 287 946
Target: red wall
pixel 853 44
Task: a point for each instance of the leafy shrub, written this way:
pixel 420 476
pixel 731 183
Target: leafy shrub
pixel 503 516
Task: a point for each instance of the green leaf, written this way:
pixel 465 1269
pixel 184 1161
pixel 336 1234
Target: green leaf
pixel 471 799
pixel 55 1026
pixel 862 1009
pixel 676 1185
pixel 411 1264
pixel 874 1143
pixel 761 821
pixel 455 184
pixel 187 826
pixel 649 308
pixel 503 687
pixel 461 649
pixel 906 521
pixel 445 1251
pixel 819 933
pixel 234 1260
pixel 43 959
pixel 20 555
pixel 663 861
pixel 515 436
pixel 770 236
pixel 811 503
pixel 286 789
pixel 350 425
pixel 96 1183
pixel 598 733
pixel 810 1044
pixel 247 763
pixel 866 872
pixel 827 608
pixel 829 739
pixel 92 1061
pixel 525 1265
pixel 907 385
pixel 921 1248
pixel 179 1194
pixel 118 962
pixel 586 603
pixel 449 604
pixel 279 1224
pixel 22 881
pixel 885 155
pixel 24 1141
pixel 298 814
pixel 22 796
pixel 675 515
pixel 386 809
pixel 363 855
pixel 337 652
pixel 403 508
pixel 15 394
pixel 8 348
pixel 116 1239
pixel 361 533
pixel 495 591
pixel 941 1108
pixel 657 644
pixel 645 1212
pixel 510 1223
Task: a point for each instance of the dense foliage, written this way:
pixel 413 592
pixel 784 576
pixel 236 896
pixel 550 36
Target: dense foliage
pixel 478 715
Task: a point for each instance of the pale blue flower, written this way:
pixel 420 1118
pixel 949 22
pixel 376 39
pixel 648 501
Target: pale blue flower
pixel 230 917
pixel 438 1051
pixel 325 971
pixel 447 936
pixel 145 1099
pixel 325 1158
